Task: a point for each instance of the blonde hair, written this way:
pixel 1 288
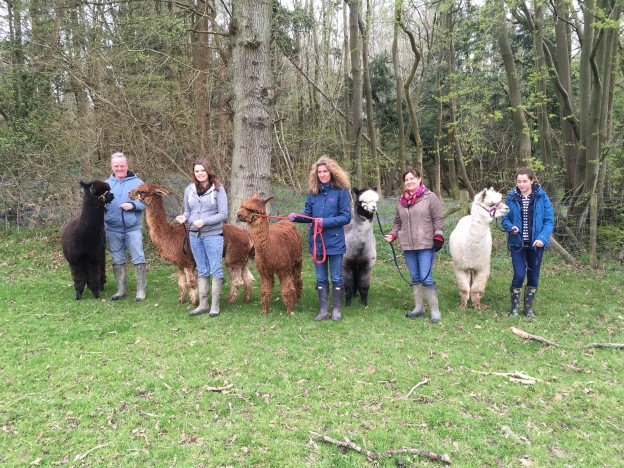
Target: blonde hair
pixel 339 178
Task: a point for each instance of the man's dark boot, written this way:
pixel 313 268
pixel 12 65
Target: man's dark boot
pixel 122 280
pixel 141 281
pixel 419 302
pixel 337 299
pixel 529 297
pixel 323 294
pixel 515 300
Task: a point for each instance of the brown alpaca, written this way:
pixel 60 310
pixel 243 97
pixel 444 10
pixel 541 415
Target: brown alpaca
pixel 168 239
pixel 278 252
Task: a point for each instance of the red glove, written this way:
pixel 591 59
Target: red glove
pixel 319 222
pixel 438 242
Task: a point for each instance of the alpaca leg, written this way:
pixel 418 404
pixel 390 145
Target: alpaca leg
pixel 247 280
pixel 289 294
pixel 477 290
pixel 93 278
pixel 236 280
pixel 266 288
pixel 181 287
pixel 348 280
pixel 191 283
pixel 463 282
pixel 297 279
pixel 79 277
pixel 365 281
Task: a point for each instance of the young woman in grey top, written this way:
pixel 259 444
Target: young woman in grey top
pixel 205 209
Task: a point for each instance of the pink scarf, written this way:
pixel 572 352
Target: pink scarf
pixel 408 199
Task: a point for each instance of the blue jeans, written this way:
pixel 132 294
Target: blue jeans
pixel 208 255
pixel 335 266
pixel 118 242
pixel 526 263
pixel 420 265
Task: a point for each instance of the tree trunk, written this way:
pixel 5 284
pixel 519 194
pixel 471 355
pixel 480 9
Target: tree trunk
pixel 399 86
pixel 370 117
pixel 522 128
pixel 550 184
pixel 253 100
pixel 355 129
pixel 200 54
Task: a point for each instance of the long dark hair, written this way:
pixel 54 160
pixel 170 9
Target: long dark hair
pixel 212 176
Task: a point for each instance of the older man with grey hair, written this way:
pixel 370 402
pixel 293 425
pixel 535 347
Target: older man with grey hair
pixel 123 222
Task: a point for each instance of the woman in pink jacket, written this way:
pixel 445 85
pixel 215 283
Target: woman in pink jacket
pixel 419 226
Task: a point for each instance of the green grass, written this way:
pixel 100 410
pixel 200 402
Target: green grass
pixel 125 383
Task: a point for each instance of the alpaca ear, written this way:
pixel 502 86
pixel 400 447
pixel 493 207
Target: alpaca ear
pixel 356 192
pixel 481 195
pixel 254 196
pixel 270 197
pixel 161 191
pixel 85 185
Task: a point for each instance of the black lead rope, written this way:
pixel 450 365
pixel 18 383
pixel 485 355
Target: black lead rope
pixel 185 239
pixel 396 262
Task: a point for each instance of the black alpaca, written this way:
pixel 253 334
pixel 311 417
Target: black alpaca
pixel 83 240
pixel 358 261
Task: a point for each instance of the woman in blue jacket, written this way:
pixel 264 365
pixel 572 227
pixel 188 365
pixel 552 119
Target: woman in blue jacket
pixel 329 203
pixel 529 224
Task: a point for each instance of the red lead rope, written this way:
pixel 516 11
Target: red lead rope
pixel 318 232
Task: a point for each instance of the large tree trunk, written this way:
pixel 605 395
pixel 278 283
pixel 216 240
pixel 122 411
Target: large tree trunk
pixel 200 54
pixel 253 100
pixel 399 86
pixel 545 145
pixel 355 129
pixel 522 128
pixel 370 117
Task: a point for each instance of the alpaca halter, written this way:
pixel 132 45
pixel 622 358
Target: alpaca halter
pixel 491 211
pixel 102 197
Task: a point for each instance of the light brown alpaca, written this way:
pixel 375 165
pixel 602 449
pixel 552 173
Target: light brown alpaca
pixel 278 252
pixel 168 239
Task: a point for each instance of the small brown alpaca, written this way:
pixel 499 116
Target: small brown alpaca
pixel 278 252
pixel 168 239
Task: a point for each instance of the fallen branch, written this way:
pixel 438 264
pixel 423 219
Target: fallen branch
pixel 225 389
pixel 528 336
pixel 82 456
pixel 605 345
pixel 347 444
pixel 415 387
pixel 515 376
pixel 539 339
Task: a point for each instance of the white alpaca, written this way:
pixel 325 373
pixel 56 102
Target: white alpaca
pixel 471 245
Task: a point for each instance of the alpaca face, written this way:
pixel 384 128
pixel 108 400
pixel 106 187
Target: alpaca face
pixel 250 209
pixel 489 202
pixel 99 191
pixel 368 200
pixel 145 192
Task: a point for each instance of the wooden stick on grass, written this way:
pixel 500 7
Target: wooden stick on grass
pixel 605 345
pixel 539 339
pixel 528 336
pixel 415 387
pixel 347 444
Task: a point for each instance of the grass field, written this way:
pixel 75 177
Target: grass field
pixel 129 384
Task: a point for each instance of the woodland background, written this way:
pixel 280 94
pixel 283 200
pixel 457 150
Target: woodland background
pixel 467 91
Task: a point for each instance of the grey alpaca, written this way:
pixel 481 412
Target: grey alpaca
pixel 358 261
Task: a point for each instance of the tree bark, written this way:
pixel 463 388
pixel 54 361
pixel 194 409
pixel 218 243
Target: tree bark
pixel 355 129
pixel 253 100
pixel 522 128
pixel 398 5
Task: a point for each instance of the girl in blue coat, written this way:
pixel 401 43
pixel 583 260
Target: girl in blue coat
pixel 530 223
pixel 329 203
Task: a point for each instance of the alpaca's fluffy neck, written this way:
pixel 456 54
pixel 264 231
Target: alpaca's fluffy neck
pixel 259 229
pixel 157 220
